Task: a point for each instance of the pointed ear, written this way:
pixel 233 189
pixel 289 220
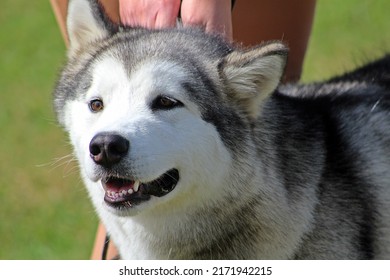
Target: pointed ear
pixel 254 74
pixel 86 23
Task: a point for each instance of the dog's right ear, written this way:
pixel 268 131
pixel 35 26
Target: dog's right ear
pixel 86 23
pixel 252 75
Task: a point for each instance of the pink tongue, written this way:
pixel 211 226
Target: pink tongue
pixel 119 185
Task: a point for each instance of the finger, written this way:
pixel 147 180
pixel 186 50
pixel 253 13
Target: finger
pixel 167 15
pixel 212 16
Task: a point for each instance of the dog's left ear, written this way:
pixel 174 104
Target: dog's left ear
pixel 87 22
pixel 254 74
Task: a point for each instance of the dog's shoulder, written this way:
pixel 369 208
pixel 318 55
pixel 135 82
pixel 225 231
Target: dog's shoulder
pixel 376 72
pixel 364 85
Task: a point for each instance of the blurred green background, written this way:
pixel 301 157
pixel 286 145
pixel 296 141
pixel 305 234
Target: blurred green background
pixel 44 210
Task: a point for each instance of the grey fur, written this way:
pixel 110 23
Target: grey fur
pixel 311 162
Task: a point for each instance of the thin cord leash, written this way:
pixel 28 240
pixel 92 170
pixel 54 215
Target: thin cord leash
pixel 105 247
pixel 107 241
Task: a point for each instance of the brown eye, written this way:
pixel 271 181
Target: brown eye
pixel 96 105
pixel 165 103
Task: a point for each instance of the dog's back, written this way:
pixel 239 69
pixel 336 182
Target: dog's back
pixel 336 136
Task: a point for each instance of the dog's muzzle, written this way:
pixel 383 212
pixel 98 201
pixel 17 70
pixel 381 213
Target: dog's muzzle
pixel 107 150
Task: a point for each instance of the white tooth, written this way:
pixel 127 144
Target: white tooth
pixel 120 194
pixel 130 191
pixel 124 192
pixel 136 186
pixel 116 195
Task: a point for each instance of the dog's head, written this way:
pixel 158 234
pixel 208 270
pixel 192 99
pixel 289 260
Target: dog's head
pixel 157 118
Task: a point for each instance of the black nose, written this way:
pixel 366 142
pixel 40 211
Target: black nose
pixel 107 149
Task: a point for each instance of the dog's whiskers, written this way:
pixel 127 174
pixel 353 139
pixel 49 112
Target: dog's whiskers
pixel 60 161
pixel 375 105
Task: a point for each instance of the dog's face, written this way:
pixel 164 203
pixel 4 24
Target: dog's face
pixel 141 137
pixel 150 114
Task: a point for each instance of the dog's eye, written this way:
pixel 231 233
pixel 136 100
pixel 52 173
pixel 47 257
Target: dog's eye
pixel 96 105
pixel 165 103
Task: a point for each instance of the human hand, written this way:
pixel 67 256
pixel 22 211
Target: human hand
pixel 212 15
pixel 149 13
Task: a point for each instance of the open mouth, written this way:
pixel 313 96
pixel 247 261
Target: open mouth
pixel 125 193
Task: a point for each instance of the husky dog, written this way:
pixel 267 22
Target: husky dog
pixel 190 149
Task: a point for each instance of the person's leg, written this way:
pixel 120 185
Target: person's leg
pixel 255 21
pixel 98 247
pixel 60 8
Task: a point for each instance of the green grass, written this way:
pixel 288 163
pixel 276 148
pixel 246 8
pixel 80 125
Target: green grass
pixel 44 210
pixel 346 34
